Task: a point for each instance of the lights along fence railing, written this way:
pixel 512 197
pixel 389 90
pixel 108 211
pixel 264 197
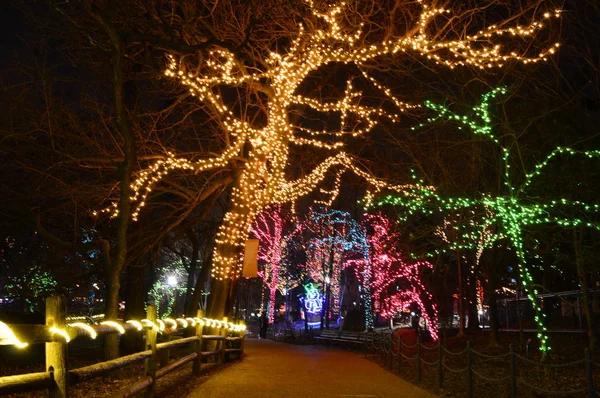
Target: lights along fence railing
pixel 228 339
pixel 510 371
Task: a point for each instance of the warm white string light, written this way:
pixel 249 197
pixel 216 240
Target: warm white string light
pixel 8 337
pixel 262 181
pixel 114 325
pixel 61 332
pixel 138 325
pixel 86 328
pixel 172 323
pixel 161 324
pixel 184 323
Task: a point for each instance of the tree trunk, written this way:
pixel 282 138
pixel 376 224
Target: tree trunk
pixel 113 272
pixel 329 278
pixel 111 311
pixel 219 298
pixel 327 300
pixel 200 282
pixel 189 292
pixel 594 301
pixel 583 283
pixel 342 294
pixel 305 316
pixel 461 310
pixel 189 287
pixel 288 305
pixel 367 298
pixel 234 286
pixel 493 306
pixel 472 310
pixel 323 313
pixel 272 297
pixel 135 293
pixel 247 201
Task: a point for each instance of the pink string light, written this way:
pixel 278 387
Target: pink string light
pixel 268 229
pixel 388 270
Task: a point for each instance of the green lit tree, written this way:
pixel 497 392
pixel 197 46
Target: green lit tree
pixel 507 215
pixel 32 286
pixel 169 284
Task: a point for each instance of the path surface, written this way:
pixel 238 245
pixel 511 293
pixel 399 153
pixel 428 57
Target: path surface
pixel 272 369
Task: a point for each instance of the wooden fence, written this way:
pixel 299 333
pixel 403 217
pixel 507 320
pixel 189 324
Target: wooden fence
pixel 226 339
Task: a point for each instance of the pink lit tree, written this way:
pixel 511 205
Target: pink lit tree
pixel 268 229
pixel 395 284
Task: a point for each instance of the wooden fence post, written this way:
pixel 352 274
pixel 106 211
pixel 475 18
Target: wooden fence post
pixel 150 364
pixel 56 351
pixel 589 373
pixel 469 372
pixel 440 365
pixel 513 372
pixel 199 330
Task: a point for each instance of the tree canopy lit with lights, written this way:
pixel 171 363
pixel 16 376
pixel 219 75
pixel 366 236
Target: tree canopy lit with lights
pixel 331 236
pixel 324 35
pixel 394 284
pixel 141 135
pixel 268 229
pixel 504 217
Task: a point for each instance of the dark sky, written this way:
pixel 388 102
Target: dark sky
pixel 11 27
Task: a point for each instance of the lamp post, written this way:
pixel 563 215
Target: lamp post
pixel 172 282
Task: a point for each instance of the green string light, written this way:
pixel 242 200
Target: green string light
pixel 510 213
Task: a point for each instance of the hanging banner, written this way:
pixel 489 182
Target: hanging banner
pixel 250 268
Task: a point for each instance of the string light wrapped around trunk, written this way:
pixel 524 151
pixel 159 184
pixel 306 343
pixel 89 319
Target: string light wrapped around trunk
pixel 263 181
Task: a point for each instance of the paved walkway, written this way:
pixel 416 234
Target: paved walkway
pixel 272 369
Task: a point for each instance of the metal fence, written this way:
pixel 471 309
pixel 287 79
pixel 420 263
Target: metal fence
pixel 510 371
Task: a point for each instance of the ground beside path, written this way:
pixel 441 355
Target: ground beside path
pixel 272 369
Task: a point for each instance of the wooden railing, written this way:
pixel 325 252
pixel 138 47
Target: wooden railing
pixel 226 339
